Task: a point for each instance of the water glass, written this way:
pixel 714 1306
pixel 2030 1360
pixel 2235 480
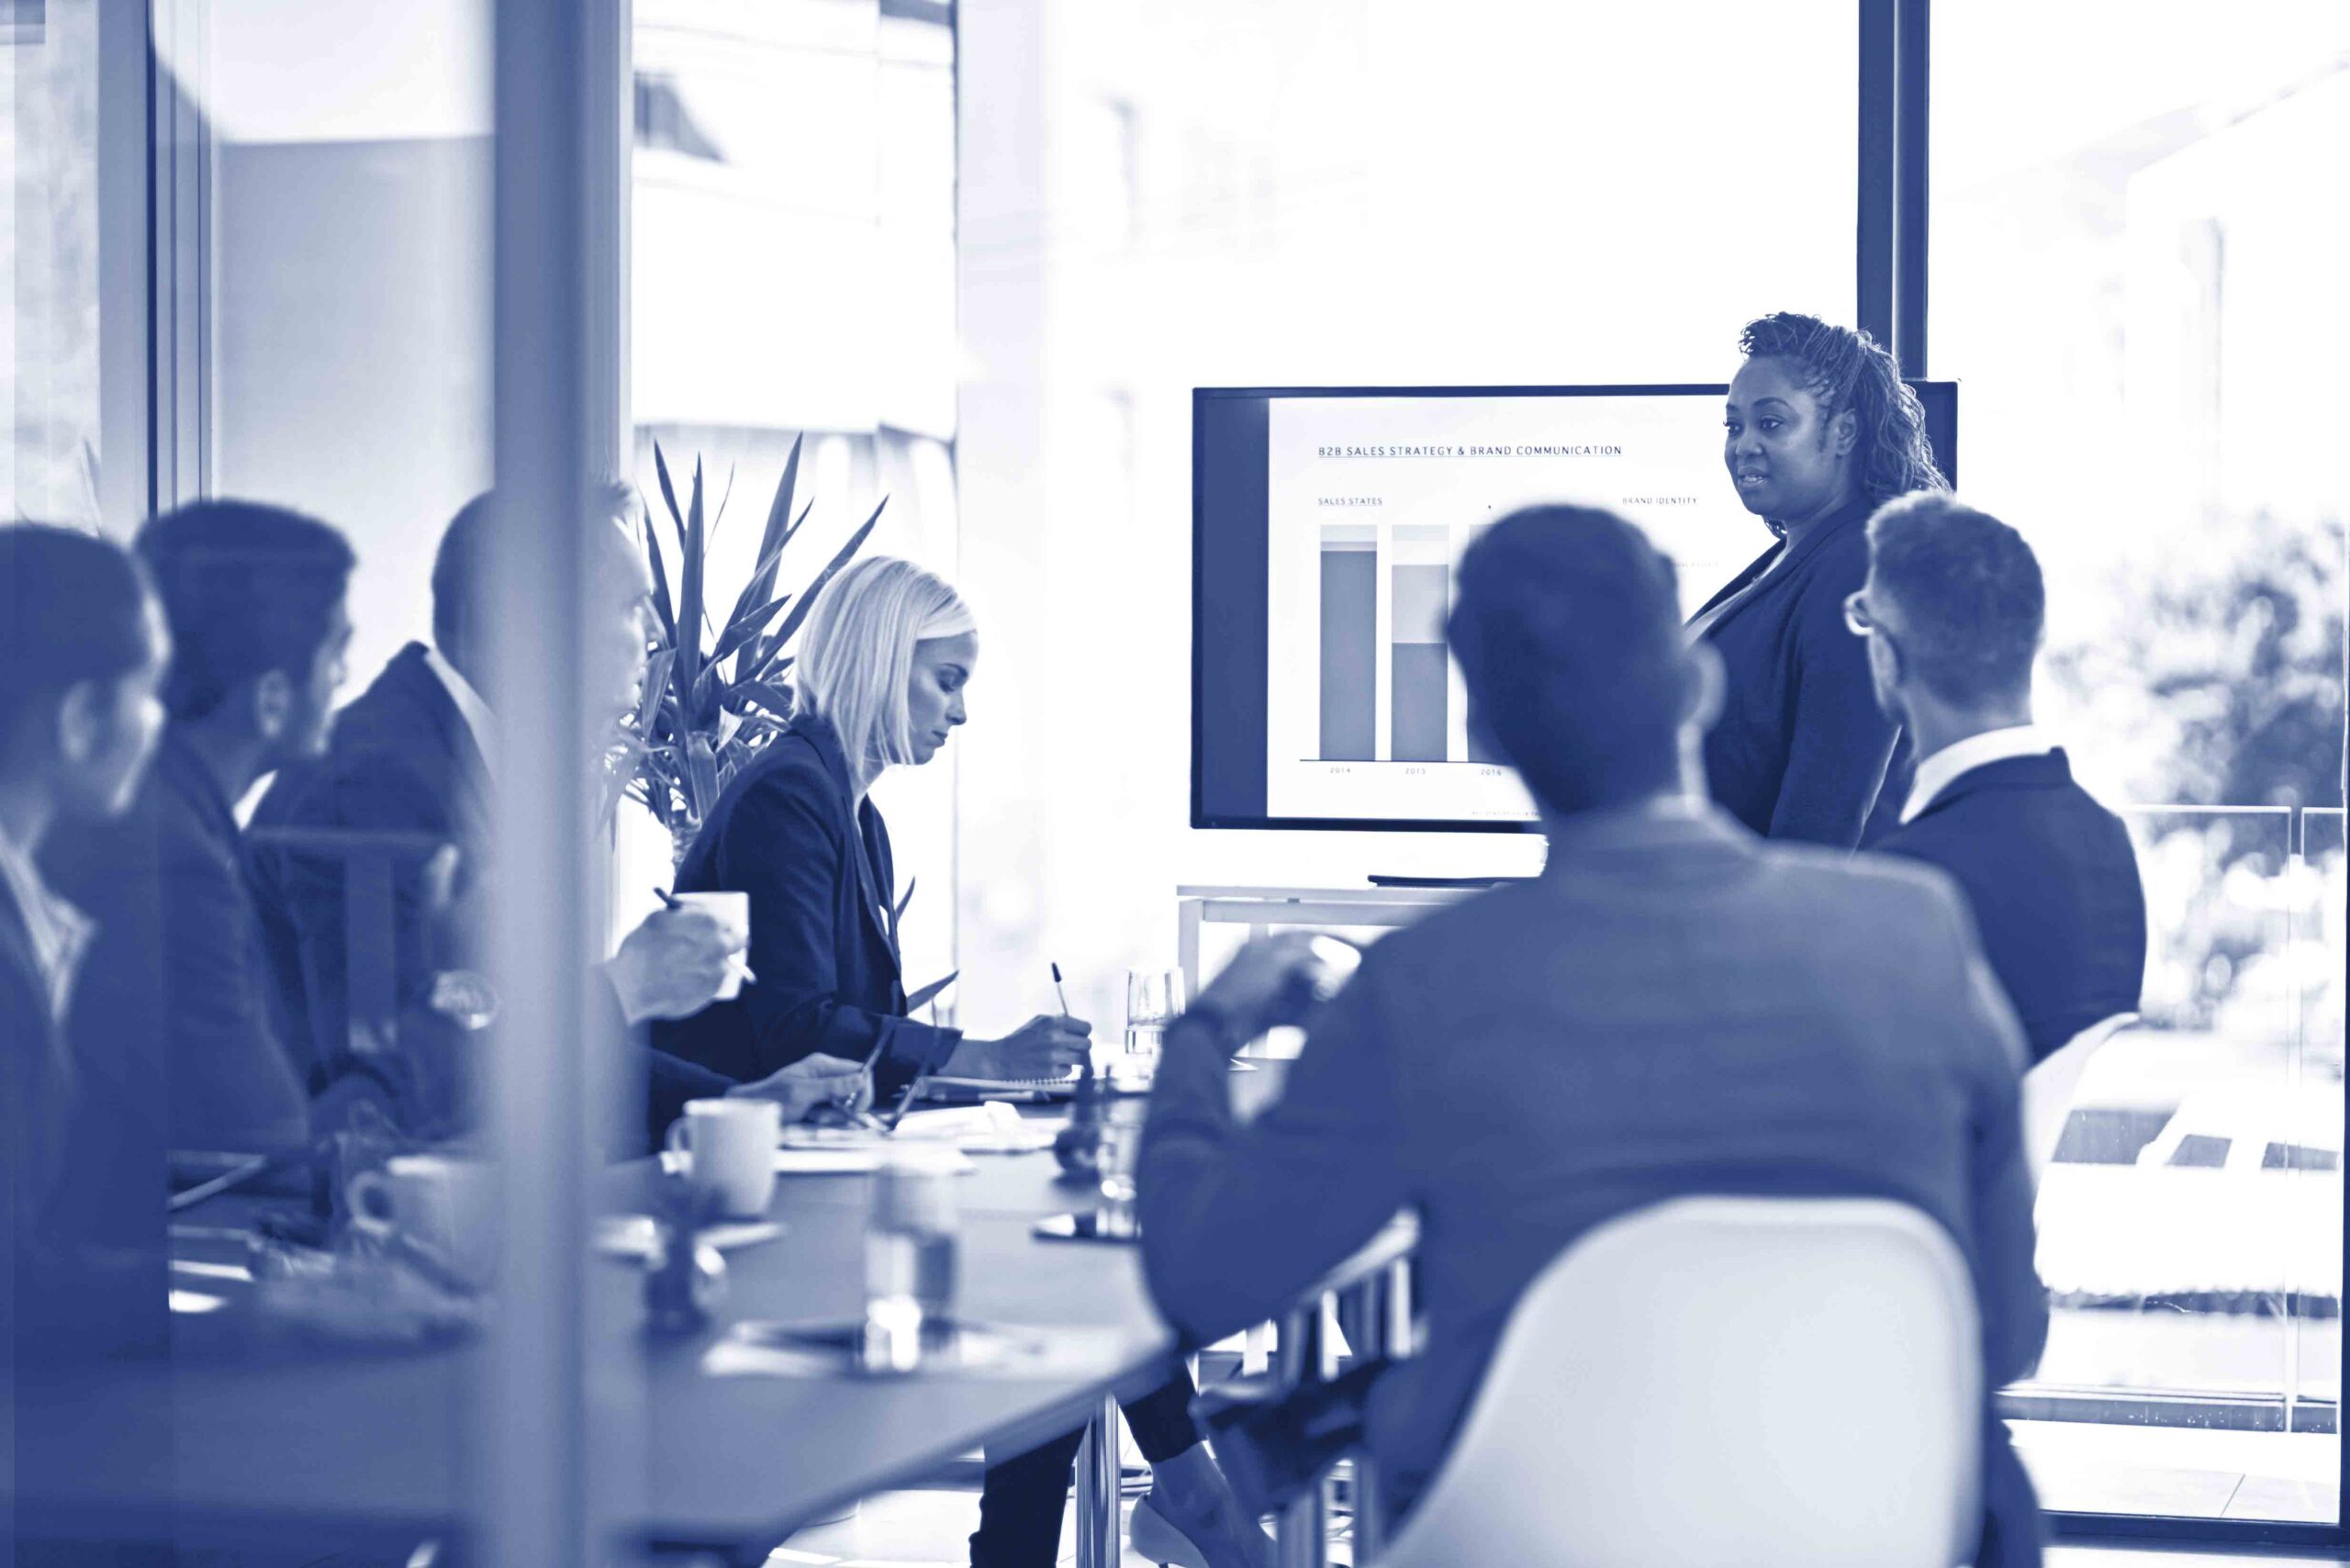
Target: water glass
pixel 1154 999
pixel 910 1259
pixel 1121 1145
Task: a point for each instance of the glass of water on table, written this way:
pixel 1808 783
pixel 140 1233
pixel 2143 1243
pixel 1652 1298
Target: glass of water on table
pixel 1154 999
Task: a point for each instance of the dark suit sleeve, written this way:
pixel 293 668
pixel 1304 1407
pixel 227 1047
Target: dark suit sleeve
pixel 1238 1221
pixel 668 1081
pixel 1839 743
pixel 369 793
pixel 779 847
pixel 231 1085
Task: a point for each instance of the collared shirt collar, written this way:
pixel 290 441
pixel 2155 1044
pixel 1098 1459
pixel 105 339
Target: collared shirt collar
pixel 1946 767
pixel 479 721
pixel 61 933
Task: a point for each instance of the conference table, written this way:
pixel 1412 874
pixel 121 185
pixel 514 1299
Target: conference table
pixel 277 1439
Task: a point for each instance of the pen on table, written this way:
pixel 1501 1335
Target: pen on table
pixel 736 961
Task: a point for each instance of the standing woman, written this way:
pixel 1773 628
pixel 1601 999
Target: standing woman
pixel 1820 432
pixel 881 671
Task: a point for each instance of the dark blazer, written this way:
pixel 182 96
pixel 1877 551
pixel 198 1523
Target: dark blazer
pixel 1801 748
pixel 2054 885
pixel 1673 1008
pixel 401 764
pixel 86 1389
pixel 823 937
pixel 185 980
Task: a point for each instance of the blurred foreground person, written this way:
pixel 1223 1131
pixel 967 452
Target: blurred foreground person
pixel 87 1397
pixel 1818 431
pixel 254 597
pixel 1672 1008
pixel 1951 612
pixel 883 667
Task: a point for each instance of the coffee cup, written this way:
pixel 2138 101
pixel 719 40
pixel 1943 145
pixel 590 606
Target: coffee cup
pixel 733 912
pixel 445 1202
pixel 729 1148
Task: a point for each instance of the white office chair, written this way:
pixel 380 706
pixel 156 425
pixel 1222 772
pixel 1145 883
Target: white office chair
pixel 2048 1087
pixel 1715 1383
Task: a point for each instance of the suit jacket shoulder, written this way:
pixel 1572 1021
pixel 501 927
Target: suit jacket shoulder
pixel 2051 880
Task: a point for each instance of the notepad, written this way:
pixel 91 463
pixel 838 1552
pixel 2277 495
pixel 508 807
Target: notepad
pixel 941 1085
pixel 845 1161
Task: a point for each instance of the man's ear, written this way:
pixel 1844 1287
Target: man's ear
pixel 80 721
pixel 1703 689
pixel 273 704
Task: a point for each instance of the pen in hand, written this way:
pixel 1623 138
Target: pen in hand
pixel 1085 1069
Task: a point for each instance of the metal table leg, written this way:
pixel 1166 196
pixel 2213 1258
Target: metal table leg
pixel 1100 1543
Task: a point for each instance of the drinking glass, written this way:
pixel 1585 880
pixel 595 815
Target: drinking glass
pixel 910 1260
pixel 1154 999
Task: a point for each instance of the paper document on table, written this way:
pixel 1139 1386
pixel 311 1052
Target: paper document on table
pixel 845 1161
pixel 976 1349
pixel 990 1120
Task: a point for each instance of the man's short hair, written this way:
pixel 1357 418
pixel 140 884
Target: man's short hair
pixel 247 589
pixel 73 609
pixel 462 565
pixel 1967 602
pixel 1567 626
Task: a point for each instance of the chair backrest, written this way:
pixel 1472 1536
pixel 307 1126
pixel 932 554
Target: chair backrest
pixel 1715 1383
pixel 2048 1086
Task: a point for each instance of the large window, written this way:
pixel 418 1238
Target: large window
pixel 793 280
pixel 2131 280
pixel 49 263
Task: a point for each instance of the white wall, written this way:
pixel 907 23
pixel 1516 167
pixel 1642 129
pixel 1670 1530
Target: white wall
pixel 1243 193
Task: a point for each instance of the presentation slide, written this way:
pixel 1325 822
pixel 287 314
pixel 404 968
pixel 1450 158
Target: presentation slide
pixel 1369 502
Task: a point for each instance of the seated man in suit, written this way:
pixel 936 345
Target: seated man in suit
pixel 399 799
pixel 1675 1007
pixel 254 595
pixel 409 772
pixel 84 1391
pixel 1952 611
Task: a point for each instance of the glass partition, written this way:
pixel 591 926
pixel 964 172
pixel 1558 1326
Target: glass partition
pixel 2190 1224
pixel 2129 285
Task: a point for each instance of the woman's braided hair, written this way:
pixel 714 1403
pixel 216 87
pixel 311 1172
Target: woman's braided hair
pixel 1846 369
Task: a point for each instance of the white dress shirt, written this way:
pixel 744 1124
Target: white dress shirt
pixel 61 933
pixel 470 708
pixel 1940 771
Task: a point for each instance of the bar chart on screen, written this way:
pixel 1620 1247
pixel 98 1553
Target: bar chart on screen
pixel 1371 503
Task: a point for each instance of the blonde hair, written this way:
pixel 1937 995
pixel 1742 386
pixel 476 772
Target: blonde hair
pixel 856 652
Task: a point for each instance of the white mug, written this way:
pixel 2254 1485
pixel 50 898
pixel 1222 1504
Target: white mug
pixel 730 1151
pixel 733 912
pixel 448 1203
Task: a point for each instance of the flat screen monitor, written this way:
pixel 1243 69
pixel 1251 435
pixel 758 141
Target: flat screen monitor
pixel 1325 522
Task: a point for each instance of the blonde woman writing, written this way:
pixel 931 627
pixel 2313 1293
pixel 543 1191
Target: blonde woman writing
pixel 884 663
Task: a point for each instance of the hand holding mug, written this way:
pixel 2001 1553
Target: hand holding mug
pixel 679 961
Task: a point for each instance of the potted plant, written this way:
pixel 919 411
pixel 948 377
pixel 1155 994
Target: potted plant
pixel 716 692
